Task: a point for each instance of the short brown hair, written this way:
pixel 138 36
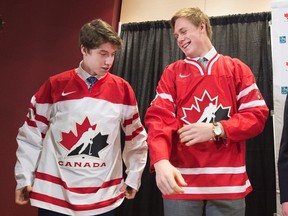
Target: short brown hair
pixel 97 32
pixel 195 16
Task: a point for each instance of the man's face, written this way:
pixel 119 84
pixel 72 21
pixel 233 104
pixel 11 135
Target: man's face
pixel 98 61
pixel 188 37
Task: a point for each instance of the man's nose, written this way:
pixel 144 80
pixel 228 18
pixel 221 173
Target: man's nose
pixel 109 60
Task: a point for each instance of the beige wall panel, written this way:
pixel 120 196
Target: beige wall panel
pixel 151 10
pixel 226 7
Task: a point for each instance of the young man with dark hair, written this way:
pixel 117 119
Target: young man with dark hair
pixel 69 158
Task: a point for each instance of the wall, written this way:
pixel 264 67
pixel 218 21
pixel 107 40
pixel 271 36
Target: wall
pixel 151 10
pixel 39 39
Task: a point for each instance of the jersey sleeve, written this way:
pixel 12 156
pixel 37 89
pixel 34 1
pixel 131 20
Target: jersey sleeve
pixel 31 135
pixel 160 119
pixel 135 146
pixel 252 111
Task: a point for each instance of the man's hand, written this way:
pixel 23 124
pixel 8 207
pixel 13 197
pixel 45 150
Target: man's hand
pixel 129 192
pixel 195 133
pixel 22 195
pixel 284 208
pixel 169 180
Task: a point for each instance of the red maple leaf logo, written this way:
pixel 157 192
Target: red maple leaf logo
pixel 69 139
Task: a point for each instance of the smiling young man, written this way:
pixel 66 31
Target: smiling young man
pixel 206 106
pixel 69 158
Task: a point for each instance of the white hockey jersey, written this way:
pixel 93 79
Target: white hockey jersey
pixel 69 147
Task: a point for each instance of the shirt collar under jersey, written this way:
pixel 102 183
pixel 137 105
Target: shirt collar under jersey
pixel 84 74
pixel 212 52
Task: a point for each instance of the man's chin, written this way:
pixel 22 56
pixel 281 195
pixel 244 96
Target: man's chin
pixel 102 72
pixel 186 52
pixel 189 54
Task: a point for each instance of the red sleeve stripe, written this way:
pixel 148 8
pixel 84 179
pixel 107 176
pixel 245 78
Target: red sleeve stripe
pixel 31 106
pixel 41 119
pixel 37 118
pixel 134 134
pixel 30 122
pixel 129 121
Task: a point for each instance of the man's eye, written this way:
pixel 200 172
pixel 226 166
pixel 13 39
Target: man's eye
pixel 103 53
pixel 183 32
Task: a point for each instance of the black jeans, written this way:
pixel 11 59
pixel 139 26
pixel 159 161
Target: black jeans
pixel 44 212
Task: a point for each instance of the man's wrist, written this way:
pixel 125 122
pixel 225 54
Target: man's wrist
pixel 218 131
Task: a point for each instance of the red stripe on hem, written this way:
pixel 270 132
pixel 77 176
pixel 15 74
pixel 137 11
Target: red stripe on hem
pixel 74 207
pixel 79 190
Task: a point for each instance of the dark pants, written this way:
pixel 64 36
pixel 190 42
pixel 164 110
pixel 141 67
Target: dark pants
pixel 204 207
pixel 44 212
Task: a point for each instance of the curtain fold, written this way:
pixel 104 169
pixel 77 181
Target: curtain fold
pixel 148 47
pixel 240 18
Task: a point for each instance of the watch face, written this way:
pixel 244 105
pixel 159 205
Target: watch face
pixel 217 131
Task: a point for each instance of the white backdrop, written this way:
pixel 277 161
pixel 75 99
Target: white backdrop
pixel 279 36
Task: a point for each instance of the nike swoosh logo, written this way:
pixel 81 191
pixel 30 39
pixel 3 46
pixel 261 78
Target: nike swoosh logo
pixel 67 93
pixel 184 76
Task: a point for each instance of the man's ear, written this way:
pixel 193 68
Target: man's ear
pixel 202 26
pixel 84 50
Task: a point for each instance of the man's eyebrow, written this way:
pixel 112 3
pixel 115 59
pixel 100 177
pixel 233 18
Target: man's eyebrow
pixel 183 28
pixel 105 51
pixel 102 50
pixel 179 30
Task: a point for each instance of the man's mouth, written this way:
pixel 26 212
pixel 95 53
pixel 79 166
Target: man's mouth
pixel 186 45
pixel 105 68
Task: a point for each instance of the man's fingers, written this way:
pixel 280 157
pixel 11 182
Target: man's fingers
pixel 174 186
pixel 123 188
pixel 29 188
pixel 22 195
pixel 177 189
pixel 168 179
pixel 130 194
pixel 180 180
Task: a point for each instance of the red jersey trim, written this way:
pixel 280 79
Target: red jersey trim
pixel 81 190
pixel 65 204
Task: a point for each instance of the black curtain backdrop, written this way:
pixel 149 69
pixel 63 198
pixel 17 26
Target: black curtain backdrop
pixel 148 47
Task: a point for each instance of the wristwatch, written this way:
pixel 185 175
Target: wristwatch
pixel 217 131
